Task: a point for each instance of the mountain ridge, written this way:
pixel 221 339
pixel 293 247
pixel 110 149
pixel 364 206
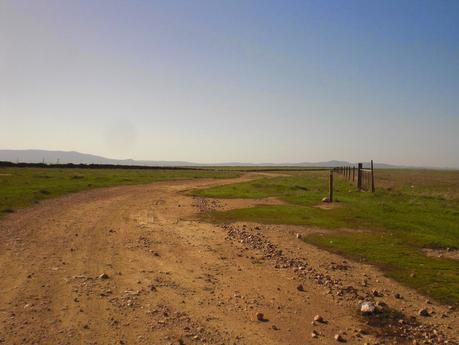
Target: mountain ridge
pixel 65 157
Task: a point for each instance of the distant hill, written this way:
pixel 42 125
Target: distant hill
pixel 64 157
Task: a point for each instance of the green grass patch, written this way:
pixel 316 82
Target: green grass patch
pixel 22 187
pixel 435 277
pixel 290 214
pixel 411 210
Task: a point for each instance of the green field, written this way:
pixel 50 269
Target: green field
pixel 411 210
pixel 22 187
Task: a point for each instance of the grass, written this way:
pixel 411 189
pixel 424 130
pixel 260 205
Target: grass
pixel 22 187
pixel 435 277
pixel 411 210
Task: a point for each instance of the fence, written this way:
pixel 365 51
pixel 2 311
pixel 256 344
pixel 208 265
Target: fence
pixel 364 177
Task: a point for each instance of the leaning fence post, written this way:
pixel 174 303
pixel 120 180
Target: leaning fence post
pixel 359 177
pixel 330 187
pixel 372 178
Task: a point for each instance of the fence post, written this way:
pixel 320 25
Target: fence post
pixel 365 180
pixel 359 177
pixel 372 178
pixel 330 187
pixel 353 173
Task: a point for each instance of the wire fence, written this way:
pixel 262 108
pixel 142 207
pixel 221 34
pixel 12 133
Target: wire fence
pixel 364 178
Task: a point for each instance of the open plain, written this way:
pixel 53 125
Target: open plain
pixel 138 265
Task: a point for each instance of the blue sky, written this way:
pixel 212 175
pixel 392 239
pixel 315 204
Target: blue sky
pixel 249 81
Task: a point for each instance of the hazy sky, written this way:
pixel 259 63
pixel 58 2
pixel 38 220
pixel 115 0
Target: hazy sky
pixel 215 81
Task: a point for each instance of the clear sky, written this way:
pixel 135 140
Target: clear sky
pixel 219 81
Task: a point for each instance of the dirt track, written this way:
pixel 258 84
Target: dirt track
pixel 172 279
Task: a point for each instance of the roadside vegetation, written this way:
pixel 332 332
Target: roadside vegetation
pixel 22 187
pixel 411 210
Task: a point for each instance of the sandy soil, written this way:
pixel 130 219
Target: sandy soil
pixel 132 265
pixel 442 253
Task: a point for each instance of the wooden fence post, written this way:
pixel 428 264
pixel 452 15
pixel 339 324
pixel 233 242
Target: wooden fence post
pixel 359 177
pixel 330 187
pixel 372 178
pixel 353 173
pixel 365 180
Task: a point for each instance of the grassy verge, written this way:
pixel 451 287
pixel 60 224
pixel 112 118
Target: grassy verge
pixel 411 210
pixel 22 187
pixel 435 277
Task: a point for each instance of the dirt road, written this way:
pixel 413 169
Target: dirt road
pixel 133 265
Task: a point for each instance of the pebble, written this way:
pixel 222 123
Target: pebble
pixel 376 293
pixel 319 318
pixel 367 307
pixel 339 338
pixel 260 316
pixel 423 312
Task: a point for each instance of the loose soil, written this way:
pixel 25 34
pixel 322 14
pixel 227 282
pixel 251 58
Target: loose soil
pixel 442 253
